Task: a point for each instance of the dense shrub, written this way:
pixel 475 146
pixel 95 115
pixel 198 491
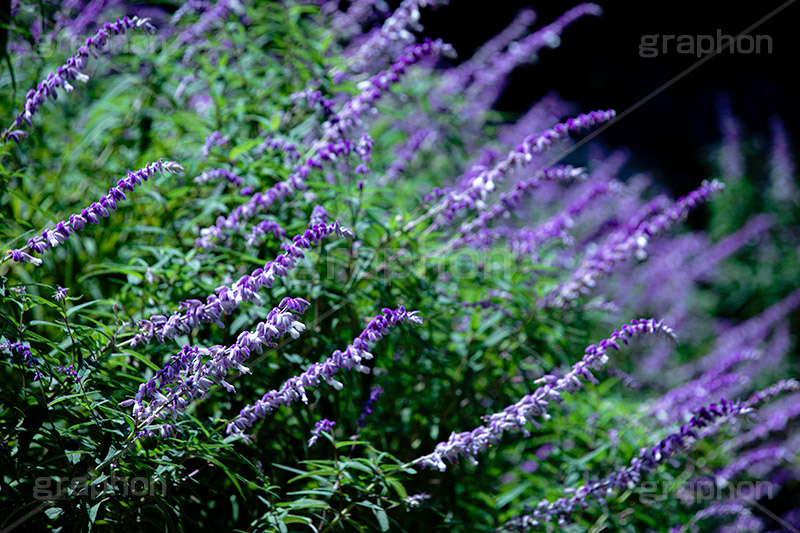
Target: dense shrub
pixel 279 266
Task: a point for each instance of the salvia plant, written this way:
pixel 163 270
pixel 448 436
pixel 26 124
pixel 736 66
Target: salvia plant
pixel 281 266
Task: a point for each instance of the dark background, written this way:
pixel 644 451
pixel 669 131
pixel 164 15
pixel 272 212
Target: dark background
pixel 598 66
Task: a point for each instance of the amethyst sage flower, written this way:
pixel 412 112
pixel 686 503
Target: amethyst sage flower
pixel 623 244
pixel 28 358
pixel 50 238
pixel 71 70
pixel 321 426
pixel 368 406
pixel 194 370
pixel 706 419
pixel 262 228
pixel 484 182
pixel 217 174
pixel 468 444
pixel 295 388
pixel 509 201
pixel 193 313
pixel 214 139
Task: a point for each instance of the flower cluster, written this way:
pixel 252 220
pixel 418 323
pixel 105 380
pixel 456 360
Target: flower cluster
pixel 416 500
pixel 68 371
pixel 27 356
pixel 295 388
pixel 627 242
pixel 219 173
pixel 314 116
pixel 333 144
pixel 273 143
pixel 457 78
pixel 562 509
pixel 731 158
pixel 366 409
pixel 509 201
pixel 528 241
pixel 484 183
pixel 193 313
pixel 71 70
pixel 193 371
pixel 364 150
pixel 408 152
pixel 648 459
pixel 515 417
pixel 489 81
pixel 313 99
pixel 215 138
pixel 318 216
pixel 61 294
pixel 50 238
pixel 782 165
pixel 371 90
pixel 321 426
pixel 394 31
pixel 264 227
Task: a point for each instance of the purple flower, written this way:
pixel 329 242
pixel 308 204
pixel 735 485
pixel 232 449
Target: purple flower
pixel 730 158
pixel 71 70
pixel 510 201
pixel 394 31
pixel 454 201
pixel 759 461
pixel 719 379
pixel 88 15
pixel 364 148
pixel 50 238
pixel 334 144
pixel 782 167
pixel 457 78
pixel 214 139
pixel 193 371
pixel 371 90
pixel 28 358
pixel 625 242
pixel 193 313
pixel 730 245
pixel 313 98
pixel 68 371
pixel 219 173
pixel 288 148
pixel 416 500
pixel 368 406
pixel 349 23
pixel 541 115
pixel 408 151
pixel 747 334
pixel 777 418
pixel 528 242
pixel 745 520
pixel 648 459
pixel 60 293
pixel 323 425
pixel 318 216
pixel 515 417
pixel 490 80
pixel 295 388
pixel 262 228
